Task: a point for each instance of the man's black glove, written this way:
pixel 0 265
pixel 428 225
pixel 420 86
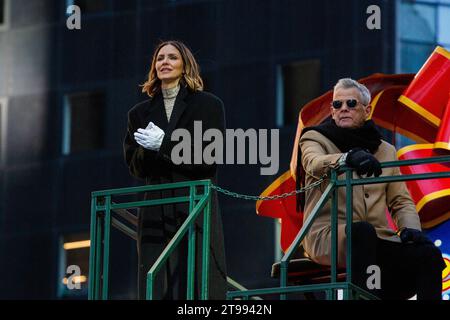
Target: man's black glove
pixel 408 235
pixel 364 162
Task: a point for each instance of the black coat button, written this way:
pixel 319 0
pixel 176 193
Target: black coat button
pixel 366 195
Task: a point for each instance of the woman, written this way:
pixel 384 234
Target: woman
pixel 176 100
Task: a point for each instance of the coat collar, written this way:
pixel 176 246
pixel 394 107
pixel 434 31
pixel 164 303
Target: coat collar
pixel 157 110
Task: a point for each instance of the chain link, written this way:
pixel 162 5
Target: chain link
pixel 256 198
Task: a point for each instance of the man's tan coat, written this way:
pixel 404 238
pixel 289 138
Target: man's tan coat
pixel 319 155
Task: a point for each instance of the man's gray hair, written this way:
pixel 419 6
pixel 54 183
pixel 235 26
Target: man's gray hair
pixel 347 83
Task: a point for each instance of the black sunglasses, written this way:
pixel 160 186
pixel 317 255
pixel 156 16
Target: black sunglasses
pixel 351 103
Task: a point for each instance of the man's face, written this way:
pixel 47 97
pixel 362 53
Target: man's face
pixel 345 116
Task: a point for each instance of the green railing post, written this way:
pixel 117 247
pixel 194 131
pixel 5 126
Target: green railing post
pixel 334 232
pixel 191 250
pixel 206 241
pixel 106 244
pixel 349 218
pixel 283 278
pixel 150 282
pixel 92 251
pixel 98 253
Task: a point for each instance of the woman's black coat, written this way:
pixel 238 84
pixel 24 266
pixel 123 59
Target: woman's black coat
pixel 157 225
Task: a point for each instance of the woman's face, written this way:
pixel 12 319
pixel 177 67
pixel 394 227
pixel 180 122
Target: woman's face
pixel 169 66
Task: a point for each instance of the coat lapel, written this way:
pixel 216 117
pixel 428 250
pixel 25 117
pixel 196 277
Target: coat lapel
pixel 156 112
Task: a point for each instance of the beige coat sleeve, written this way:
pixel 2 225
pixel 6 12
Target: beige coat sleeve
pixel 315 159
pixel 400 204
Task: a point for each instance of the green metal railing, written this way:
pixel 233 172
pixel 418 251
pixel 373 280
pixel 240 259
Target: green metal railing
pixel 349 289
pixel 102 210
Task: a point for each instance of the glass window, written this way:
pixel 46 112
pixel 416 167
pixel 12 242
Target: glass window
pixel 402 141
pixel 74 266
pixel 444 25
pixel 83 122
pixel 414 55
pixel 417 22
pixel 297 84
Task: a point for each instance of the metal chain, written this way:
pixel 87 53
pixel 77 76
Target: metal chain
pixel 256 198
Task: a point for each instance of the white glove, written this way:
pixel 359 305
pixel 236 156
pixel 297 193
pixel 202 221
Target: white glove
pixel 150 125
pixel 150 138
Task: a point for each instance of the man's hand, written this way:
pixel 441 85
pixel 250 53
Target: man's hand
pixel 408 235
pixel 150 138
pixel 364 162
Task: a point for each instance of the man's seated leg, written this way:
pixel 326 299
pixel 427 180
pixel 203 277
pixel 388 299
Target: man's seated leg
pixel 409 269
pixel 429 271
pixel 364 246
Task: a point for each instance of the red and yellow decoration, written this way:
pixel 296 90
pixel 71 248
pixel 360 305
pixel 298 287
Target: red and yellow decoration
pixel 446 275
pixel 427 95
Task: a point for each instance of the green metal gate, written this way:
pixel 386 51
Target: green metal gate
pixel 102 208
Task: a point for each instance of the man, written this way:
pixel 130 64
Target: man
pixel 409 262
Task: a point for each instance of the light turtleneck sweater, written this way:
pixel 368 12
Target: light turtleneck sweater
pixel 169 95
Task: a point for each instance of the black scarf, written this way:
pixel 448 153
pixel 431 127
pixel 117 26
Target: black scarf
pixel 366 137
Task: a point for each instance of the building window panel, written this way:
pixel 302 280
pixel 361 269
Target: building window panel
pixel 73 266
pixel 297 84
pixel 403 141
pixel 417 22
pixel 444 25
pixel 83 122
pixel 414 55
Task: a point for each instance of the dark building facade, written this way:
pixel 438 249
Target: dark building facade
pixel 64 97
